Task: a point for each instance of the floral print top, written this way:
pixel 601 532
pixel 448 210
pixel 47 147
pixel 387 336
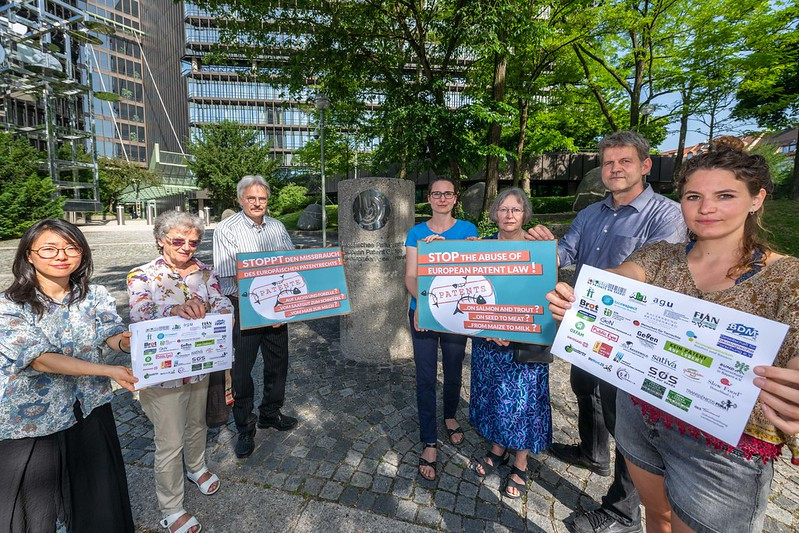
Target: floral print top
pixel 772 292
pixel 32 403
pixel 155 288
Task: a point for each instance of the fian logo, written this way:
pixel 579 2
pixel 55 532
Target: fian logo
pixel 743 331
pixel 705 320
pixel 590 292
pixel 607 300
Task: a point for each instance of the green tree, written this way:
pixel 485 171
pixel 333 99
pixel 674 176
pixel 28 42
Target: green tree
pixel 26 194
pixel 223 153
pixel 769 92
pixel 400 55
pixel 116 175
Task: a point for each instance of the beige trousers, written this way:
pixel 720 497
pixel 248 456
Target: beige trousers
pixel 178 415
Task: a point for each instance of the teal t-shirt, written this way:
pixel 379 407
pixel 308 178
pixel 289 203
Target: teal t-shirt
pixel 460 230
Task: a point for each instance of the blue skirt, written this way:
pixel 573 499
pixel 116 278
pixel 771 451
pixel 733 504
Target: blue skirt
pixel 509 401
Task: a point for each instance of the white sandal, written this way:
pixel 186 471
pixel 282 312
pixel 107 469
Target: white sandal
pixel 205 486
pixel 167 522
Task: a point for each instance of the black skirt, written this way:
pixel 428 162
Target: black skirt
pixel 76 476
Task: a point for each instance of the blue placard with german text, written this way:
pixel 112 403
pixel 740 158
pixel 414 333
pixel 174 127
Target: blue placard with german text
pixel 290 286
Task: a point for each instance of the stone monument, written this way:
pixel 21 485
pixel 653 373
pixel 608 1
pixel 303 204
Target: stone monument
pixel 374 216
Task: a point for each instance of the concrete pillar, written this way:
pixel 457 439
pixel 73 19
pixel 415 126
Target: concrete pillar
pixel 374 217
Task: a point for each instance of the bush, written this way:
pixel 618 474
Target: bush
pixel 289 199
pixel 552 204
pixel 26 201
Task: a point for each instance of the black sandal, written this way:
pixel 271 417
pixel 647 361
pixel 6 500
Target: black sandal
pixel 522 488
pixel 497 461
pixel 452 433
pixel 425 462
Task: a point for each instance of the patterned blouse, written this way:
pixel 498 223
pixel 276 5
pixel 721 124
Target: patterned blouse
pixel 772 293
pixel 32 403
pixel 156 288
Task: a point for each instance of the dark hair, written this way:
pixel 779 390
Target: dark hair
pixel 442 178
pixel 752 169
pixel 23 290
pixel 625 138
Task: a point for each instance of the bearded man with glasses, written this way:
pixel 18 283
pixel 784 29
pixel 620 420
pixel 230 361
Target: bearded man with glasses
pixel 252 230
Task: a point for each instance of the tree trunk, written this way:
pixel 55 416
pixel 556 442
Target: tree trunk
pixel 684 114
pixel 525 176
pixel 795 177
pixel 524 107
pixel 495 132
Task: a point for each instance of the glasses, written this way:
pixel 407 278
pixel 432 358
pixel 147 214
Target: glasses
pixel 178 243
pixel 511 210
pixel 252 200
pixel 51 252
pixel 449 195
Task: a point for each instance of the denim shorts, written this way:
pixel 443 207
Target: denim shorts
pixel 710 490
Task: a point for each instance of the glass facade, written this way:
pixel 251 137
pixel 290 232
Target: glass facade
pixel 225 92
pixel 117 68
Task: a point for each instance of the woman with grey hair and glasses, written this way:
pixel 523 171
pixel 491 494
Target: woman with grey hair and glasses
pixel 509 402
pixel 177 284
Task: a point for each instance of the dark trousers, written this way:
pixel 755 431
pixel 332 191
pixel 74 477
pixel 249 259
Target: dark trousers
pixel 425 355
pixel 274 346
pixel 596 420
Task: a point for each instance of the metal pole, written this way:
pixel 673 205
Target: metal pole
pixel 120 215
pixel 322 164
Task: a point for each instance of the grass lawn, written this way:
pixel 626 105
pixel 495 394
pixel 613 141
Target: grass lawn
pixel 290 219
pixel 782 221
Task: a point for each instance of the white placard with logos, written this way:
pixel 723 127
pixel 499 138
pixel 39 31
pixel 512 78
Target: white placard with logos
pixel 172 348
pixel 688 357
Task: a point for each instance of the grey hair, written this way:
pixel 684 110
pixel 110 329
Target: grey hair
pixel 625 138
pixel 249 181
pixel 520 195
pixel 169 220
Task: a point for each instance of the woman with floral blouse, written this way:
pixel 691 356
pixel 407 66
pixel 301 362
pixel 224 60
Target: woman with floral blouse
pixel 60 457
pixel 177 284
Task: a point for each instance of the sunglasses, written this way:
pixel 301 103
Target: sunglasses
pixel 178 243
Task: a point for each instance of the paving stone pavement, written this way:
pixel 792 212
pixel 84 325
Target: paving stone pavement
pixel 351 463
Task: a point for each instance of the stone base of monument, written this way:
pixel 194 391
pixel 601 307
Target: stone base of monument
pixel 374 217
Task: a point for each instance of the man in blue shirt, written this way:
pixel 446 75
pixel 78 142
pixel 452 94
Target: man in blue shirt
pixel 603 235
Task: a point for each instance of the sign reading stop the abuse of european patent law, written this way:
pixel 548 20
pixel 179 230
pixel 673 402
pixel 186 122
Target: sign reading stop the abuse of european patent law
pixel 487 288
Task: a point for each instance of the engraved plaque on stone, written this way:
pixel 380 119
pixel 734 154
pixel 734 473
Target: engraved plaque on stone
pixel 371 209
pixel 372 237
